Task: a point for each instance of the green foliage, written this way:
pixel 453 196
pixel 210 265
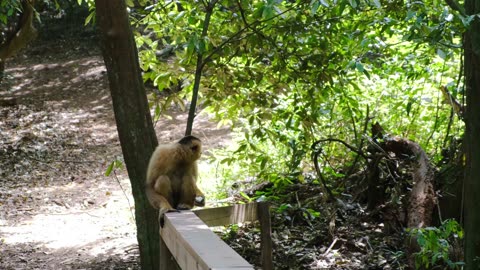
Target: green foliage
pixel 91 9
pixel 285 73
pixel 436 244
pixel 116 164
pixel 7 10
pixel 288 212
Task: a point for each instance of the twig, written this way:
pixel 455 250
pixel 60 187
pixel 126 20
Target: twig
pixel 352 148
pixel 316 153
pixel 298 201
pixel 60 161
pixel 330 247
pixel 124 193
pixel 360 144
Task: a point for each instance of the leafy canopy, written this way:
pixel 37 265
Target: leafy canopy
pixel 288 72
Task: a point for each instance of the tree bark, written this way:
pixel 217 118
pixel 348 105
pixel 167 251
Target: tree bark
pixel 422 198
pixel 199 68
pixel 472 141
pixel 134 123
pixel 20 36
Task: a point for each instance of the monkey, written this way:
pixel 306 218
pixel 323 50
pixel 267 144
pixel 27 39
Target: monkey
pixel 172 175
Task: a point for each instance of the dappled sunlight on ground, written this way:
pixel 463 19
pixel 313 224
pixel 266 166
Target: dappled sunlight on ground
pixel 57 137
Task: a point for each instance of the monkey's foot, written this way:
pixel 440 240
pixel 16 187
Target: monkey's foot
pixel 200 201
pixel 161 216
pixel 183 206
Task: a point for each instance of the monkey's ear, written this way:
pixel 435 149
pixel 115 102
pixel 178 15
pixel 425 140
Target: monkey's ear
pixel 194 148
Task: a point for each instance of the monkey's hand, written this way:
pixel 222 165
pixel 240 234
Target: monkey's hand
pixel 200 201
pixel 184 206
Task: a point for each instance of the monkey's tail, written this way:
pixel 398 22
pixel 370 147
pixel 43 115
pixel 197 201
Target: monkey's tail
pixel 157 200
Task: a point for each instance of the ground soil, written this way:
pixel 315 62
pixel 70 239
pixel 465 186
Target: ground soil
pixel 57 137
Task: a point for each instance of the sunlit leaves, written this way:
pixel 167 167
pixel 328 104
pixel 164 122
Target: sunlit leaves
pixel 266 9
pixel 288 71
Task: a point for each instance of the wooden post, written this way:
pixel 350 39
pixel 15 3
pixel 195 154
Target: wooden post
pixel 167 261
pixel 266 235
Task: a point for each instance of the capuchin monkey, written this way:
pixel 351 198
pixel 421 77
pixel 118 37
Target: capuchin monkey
pixel 172 175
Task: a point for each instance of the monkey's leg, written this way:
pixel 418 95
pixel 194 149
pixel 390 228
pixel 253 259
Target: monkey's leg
pixel 162 199
pixel 187 194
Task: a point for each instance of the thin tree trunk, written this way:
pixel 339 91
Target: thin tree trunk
pixel 199 68
pixel 134 124
pixel 472 139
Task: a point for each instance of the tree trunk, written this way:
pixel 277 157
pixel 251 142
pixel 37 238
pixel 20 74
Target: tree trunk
pixel 134 124
pixel 23 33
pixel 472 141
pixel 422 198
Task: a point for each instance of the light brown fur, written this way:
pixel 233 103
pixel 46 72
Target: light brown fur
pixel 172 175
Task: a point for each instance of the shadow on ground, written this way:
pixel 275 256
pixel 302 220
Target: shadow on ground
pixel 57 137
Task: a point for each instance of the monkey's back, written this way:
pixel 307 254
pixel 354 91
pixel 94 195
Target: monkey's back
pixel 171 160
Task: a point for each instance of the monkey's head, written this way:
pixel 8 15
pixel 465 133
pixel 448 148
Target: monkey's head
pixel 193 145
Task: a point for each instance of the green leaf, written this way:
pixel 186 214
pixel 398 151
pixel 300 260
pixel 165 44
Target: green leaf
pixel 157 111
pixel 359 66
pixel 366 73
pixel 314 6
pixel 259 10
pixel 241 148
pixel 200 46
pixel 179 16
pixel 441 54
pixel 377 3
pixel 409 107
pixel 268 12
pixel 263 163
pixel 191 47
pixel 353 3
pixel 244 195
pixel 90 17
pixel 109 169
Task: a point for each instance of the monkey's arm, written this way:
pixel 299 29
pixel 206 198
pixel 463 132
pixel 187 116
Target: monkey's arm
pixel 199 197
pixel 187 193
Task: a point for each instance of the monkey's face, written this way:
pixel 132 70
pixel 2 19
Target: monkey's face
pixel 193 145
pixel 196 148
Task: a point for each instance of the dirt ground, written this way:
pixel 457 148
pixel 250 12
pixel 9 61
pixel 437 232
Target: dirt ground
pixel 57 137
